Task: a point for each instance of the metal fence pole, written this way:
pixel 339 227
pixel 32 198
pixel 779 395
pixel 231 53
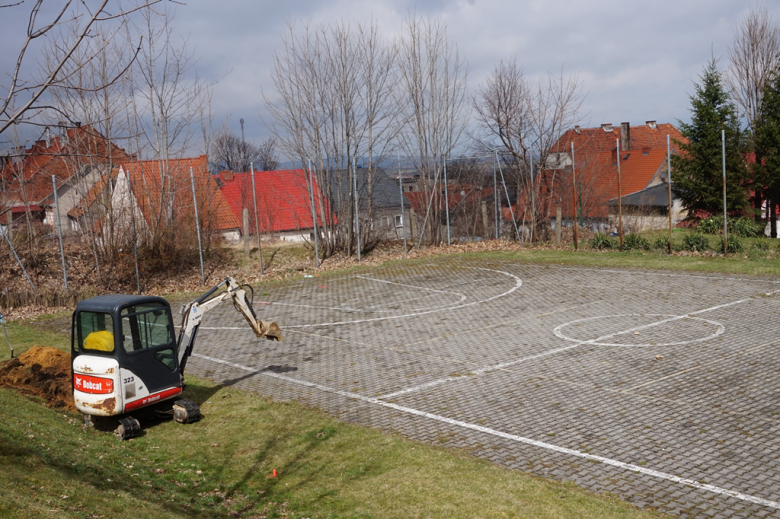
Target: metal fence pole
pixel 197 227
pixel 357 208
pixel 19 261
pixel 447 201
pixel 2 323
pixel 511 211
pixel 135 236
pixel 495 193
pixel 574 194
pixel 620 195
pixel 725 211
pixel 59 231
pixel 669 185
pixel 533 203
pixel 403 215
pixel 310 180
pixel 257 223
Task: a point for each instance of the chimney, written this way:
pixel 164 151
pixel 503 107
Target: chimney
pixel 651 125
pixel 614 156
pixel 607 127
pixel 227 176
pixel 48 137
pixel 625 136
pixel 646 150
pixel 577 129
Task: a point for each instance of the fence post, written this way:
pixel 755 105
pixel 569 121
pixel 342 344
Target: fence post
pixel 447 201
pixel 506 192
pixel 485 220
pixel 403 214
pixel 558 226
pixel 725 211
pixel 310 181
pixel 357 207
pixel 59 231
pixel 135 233
pixel 197 227
pixel 574 194
pixel 257 223
pixel 669 186
pixel 245 224
pixel 20 262
pixel 620 195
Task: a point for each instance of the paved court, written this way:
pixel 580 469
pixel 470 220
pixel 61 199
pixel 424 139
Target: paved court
pixel 660 387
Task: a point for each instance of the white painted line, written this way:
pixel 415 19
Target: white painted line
pixel 475 372
pixel 518 284
pixel 720 329
pixel 462 297
pixel 661 274
pixel 520 439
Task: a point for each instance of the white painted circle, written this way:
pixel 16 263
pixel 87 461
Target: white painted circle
pixel 600 341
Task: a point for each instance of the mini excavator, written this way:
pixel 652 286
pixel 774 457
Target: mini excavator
pixel 125 355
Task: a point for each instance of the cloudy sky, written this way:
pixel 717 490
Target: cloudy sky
pixel 637 60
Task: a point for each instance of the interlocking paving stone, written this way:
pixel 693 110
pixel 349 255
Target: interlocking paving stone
pixel 672 372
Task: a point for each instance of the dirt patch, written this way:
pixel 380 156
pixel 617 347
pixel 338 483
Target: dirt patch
pixel 41 371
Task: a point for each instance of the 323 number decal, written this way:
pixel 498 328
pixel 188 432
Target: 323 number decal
pixel 129 379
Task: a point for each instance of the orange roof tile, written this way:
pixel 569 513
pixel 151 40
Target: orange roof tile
pixel 150 180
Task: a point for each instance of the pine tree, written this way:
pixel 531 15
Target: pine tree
pixel 767 139
pixel 697 172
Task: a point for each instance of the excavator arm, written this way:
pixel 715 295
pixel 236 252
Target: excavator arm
pixel 193 312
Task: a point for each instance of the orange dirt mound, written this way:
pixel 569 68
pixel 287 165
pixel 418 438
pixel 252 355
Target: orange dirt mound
pixel 40 371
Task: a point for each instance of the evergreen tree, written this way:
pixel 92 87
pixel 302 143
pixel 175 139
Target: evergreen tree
pixel 767 139
pixel 697 172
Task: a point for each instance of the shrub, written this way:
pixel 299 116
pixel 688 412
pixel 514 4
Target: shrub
pixel 711 225
pixel 662 242
pixel 601 241
pixel 635 241
pixel 734 244
pixel 695 242
pixel 745 227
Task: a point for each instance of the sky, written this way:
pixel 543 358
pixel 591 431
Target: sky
pixel 637 60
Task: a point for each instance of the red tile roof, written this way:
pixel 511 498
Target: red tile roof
pixel 29 179
pixel 150 180
pixel 283 200
pixel 596 166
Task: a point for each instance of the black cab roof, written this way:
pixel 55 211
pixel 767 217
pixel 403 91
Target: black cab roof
pixel 114 303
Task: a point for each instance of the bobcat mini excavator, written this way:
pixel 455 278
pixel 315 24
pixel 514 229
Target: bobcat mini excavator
pixel 125 355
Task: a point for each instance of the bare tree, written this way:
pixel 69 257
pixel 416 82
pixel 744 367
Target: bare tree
pixel 166 101
pixel 431 97
pixel 21 97
pixel 753 55
pixel 230 152
pixel 526 121
pixel 330 107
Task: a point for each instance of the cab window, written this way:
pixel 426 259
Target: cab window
pixel 95 331
pixel 145 326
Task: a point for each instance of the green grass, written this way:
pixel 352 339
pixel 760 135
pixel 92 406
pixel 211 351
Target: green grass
pixel 55 467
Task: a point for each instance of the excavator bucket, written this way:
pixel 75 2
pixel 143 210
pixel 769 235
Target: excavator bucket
pixel 272 330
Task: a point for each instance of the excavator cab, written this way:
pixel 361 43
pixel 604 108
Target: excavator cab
pixel 124 354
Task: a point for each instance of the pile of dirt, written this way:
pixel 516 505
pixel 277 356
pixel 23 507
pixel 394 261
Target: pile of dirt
pixel 41 371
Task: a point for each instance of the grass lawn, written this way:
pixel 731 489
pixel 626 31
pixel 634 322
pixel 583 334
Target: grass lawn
pixel 55 467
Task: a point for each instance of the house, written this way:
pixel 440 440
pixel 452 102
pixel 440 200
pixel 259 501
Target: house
pixel 284 207
pixel 642 159
pixel 76 156
pixel 156 194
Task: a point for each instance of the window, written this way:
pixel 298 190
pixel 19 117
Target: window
pixel 385 221
pixel 95 331
pixel 399 220
pixel 145 326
